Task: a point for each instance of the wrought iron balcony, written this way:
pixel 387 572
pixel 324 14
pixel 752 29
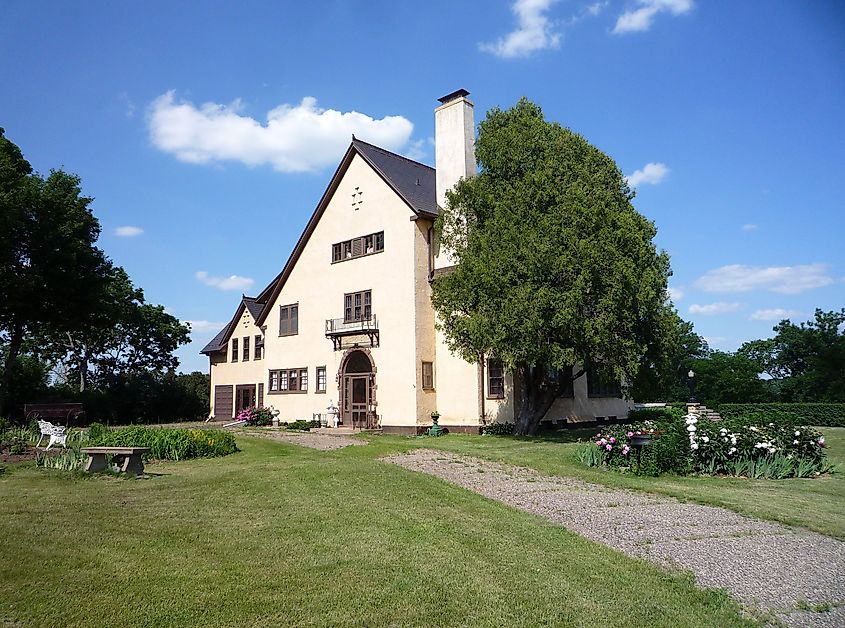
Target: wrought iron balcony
pixel 338 328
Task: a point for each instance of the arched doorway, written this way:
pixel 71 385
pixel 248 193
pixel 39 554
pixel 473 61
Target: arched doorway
pixel 357 379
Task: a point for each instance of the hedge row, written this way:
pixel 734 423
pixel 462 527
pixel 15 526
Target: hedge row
pixel 823 414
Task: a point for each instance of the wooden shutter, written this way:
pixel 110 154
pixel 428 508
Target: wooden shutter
pixel 261 394
pixel 294 319
pixel 357 247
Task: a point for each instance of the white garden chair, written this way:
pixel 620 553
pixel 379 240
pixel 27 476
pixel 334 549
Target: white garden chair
pixel 55 432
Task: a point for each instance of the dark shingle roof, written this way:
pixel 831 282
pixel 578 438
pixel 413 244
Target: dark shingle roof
pixel 219 341
pixel 412 180
pixel 253 306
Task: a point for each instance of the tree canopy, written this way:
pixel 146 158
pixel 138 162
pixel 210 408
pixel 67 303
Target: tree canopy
pixel 554 266
pixel 61 298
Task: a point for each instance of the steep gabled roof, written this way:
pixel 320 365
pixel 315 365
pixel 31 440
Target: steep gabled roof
pixel 218 343
pixel 412 181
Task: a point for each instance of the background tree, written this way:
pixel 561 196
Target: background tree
pixel 810 358
pixel 725 377
pixel 675 350
pixel 554 265
pixel 52 275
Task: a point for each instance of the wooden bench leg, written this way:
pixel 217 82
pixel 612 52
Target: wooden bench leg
pixel 96 462
pixel 133 464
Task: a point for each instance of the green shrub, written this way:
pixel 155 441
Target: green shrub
pixel 823 414
pixel 668 413
pixel 589 455
pixel 166 444
pixel 301 425
pixel 18 445
pixel 498 429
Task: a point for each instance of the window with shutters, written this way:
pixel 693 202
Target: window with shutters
pixel 288 381
pixel 428 375
pixel 358 247
pixel 259 346
pixel 234 349
pixel 597 386
pixel 246 348
pixel 357 306
pixel 289 320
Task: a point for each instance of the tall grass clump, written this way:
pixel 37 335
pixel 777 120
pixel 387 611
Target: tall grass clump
pixel 164 443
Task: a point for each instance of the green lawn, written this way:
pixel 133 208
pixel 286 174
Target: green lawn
pixel 281 535
pixel 817 504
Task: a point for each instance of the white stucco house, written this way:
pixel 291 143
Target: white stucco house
pixel 349 320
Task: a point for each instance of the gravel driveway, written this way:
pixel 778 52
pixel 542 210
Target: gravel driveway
pixel 797 575
pixel 323 442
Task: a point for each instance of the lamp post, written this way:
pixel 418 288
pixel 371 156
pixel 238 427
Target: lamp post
pixel 691 384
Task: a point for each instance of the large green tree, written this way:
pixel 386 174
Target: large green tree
pixel 125 337
pixel 52 276
pixel 808 359
pixel 554 266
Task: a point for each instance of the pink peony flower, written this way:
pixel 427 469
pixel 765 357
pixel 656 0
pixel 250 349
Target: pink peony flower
pixel 598 443
pixel 609 447
pixel 630 434
pixel 612 439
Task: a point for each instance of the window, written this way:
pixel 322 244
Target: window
pixel 321 379
pixel 428 375
pixel 289 320
pixel 259 346
pixel 597 386
pixel 564 378
pixel 234 349
pixel 289 381
pixel 356 247
pixel 495 379
pixel 246 348
pixel 357 306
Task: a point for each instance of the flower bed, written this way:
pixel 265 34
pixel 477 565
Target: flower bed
pixel 687 444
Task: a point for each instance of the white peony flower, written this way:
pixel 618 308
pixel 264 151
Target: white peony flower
pixel 795 442
pixel 690 428
pixel 694 446
pixel 752 428
pixel 705 439
pixel 797 432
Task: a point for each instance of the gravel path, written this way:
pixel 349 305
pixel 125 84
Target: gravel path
pixel 323 442
pixel 765 565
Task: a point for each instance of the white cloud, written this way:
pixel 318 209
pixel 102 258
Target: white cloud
pixel 713 308
pixel 716 341
pixel 233 282
pixel 296 138
pixel 780 279
pixel 652 173
pixel 204 327
pixel 534 31
pixel 596 7
pixel 641 18
pixel 128 231
pixel 749 227
pixel 676 294
pixel 773 314
pixel 419 149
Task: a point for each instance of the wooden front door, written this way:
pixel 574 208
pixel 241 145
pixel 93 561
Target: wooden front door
pixel 244 397
pixel 358 394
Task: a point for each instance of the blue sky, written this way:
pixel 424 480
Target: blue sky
pixel 208 131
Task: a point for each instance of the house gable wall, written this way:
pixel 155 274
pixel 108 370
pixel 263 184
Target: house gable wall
pixel 318 286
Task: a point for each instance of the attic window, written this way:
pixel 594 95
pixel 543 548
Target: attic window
pixel 358 247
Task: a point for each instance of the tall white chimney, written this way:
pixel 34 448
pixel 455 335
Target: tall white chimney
pixel 454 149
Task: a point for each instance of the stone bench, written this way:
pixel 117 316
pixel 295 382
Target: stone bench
pixel 125 459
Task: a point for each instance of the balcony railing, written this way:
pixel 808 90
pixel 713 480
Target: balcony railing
pixel 337 328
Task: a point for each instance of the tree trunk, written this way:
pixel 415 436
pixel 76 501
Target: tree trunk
pixel 82 364
pixel 15 343
pixel 534 396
